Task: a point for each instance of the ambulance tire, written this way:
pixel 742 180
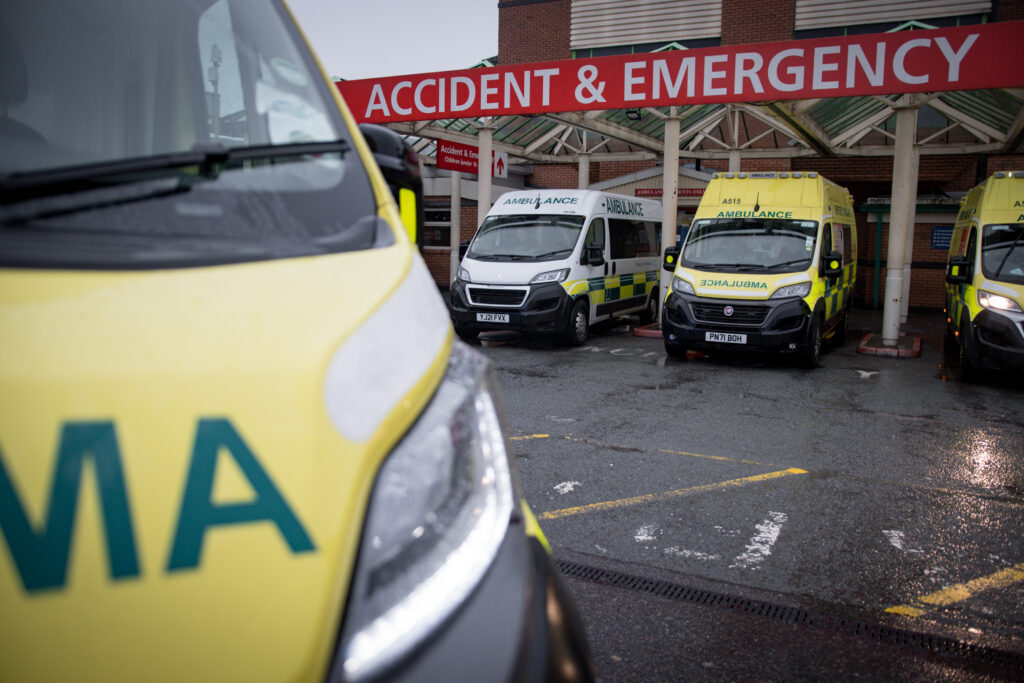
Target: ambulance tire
pixel 465 334
pixel 966 355
pixel 650 314
pixel 677 351
pixel 812 354
pixel 579 324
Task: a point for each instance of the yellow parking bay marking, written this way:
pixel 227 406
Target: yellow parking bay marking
pixel 960 592
pixel 652 497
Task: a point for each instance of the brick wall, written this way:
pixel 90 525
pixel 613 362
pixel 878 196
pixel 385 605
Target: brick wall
pixel 533 31
pixel 757 21
pixel 556 176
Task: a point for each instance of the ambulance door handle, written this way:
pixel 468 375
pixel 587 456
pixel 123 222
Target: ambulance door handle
pixel 613 267
pixel 605 267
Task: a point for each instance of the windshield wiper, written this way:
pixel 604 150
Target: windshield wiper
pixel 738 266
pixel 1013 246
pixel 210 160
pixel 786 263
pixel 553 253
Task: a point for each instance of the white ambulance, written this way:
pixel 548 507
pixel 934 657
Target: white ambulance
pixel 557 261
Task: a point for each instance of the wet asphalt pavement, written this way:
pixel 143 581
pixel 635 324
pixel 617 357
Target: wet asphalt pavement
pixel 742 519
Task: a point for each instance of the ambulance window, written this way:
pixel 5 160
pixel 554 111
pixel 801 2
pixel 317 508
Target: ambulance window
pixel 848 255
pixel 622 236
pixel 826 239
pixel 647 239
pixel 595 235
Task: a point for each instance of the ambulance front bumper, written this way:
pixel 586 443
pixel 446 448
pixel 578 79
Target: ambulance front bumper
pixel 770 326
pixel 537 309
pixel 518 625
pixel 1000 340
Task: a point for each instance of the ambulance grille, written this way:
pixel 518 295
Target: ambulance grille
pixel 486 296
pixel 751 316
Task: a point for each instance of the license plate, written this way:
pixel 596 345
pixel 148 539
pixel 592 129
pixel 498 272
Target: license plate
pixel 492 317
pixel 725 337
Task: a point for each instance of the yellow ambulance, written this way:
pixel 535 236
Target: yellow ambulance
pixel 985 277
pixel 238 441
pixel 768 265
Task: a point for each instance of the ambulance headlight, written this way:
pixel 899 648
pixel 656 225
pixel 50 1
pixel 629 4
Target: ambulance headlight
pixel 681 286
pixel 550 276
pixel 439 511
pixel 998 302
pixel 801 290
pixel 463 274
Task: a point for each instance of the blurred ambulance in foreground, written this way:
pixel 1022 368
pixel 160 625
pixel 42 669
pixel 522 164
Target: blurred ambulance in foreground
pixel 237 439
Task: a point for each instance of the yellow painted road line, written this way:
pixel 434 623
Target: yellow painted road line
pixel 960 592
pixel 720 458
pixel 650 498
pixel 529 436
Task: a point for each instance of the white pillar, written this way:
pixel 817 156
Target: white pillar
pixel 584 179
pixel 902 196
pixel 484 149
pixel 734 161
pixel 456 230
pixel 911 225
pixel 669 193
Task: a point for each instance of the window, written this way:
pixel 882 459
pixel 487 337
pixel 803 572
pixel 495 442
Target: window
pixel 622 235
pixel 437 228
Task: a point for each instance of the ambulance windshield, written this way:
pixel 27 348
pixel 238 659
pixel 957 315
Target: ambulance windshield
pixel 526 238
pixel 1002 252
pixel 750 244
pixel 167 133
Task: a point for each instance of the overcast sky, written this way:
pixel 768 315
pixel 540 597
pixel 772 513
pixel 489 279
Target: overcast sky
pixel 371 38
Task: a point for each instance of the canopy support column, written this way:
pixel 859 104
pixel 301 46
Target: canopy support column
pixel 455 238
pixel 584 177
pixel 904 191
pixel 669 193
pixel 734 161
pixel 485 149
pixel 911 226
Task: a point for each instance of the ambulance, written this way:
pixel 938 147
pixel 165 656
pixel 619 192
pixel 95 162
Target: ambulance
pixel 238 438
pixel 985 277
pixel 768 266
pixel 558 261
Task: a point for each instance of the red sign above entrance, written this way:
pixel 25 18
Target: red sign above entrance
pixel 658 192
pixel 455 156
pixel 963 58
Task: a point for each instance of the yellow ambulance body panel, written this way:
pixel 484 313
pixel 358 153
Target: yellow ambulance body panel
pixel 985 276
pixel 238 440
pixel 768 265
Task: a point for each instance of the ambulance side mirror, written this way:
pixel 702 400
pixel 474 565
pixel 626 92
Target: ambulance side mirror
pixel 593 256
pixel 400 165
pixel 832 265
pixel 671 258
pixel 958 270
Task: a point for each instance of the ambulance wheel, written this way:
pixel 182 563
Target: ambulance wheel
pixel 968 366
pixel 467 335
pixel 650 314
pixel 579 324
pixel 812 355
pixel 677 351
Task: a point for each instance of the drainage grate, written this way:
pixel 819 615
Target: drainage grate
pixel 938 645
